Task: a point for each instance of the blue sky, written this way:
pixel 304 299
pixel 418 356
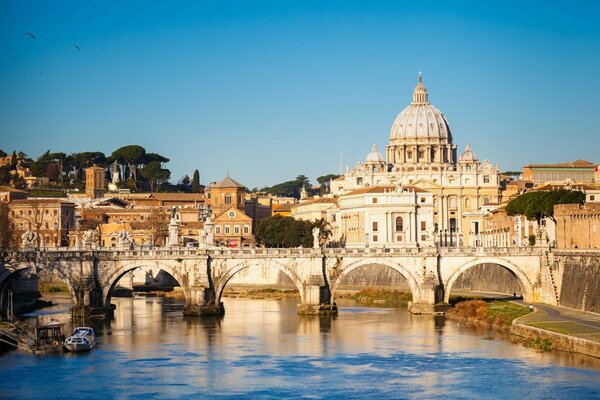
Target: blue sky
pixel 268 90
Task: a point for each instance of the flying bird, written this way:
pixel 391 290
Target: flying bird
pixel 76 48
pixel 31 35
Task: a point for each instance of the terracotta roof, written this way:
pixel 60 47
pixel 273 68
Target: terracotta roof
pixel 178 196
pixel 284 207
pixel 572 164
pixel 42 201
pixel 228 183
pixel 315 201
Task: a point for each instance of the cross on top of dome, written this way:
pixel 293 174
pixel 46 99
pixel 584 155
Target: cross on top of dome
pixel 420 94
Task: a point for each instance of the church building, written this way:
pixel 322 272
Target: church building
pixel 421 154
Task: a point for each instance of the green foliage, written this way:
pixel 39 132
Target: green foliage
pixel 539 205
pixel 155 174
pixel 7 228
pixel 542 344
pixel 531 239
pixel 2 153
pixel 279 231
pixel 289 188
pixel 196 182
pixel 326 178
pixel 185 181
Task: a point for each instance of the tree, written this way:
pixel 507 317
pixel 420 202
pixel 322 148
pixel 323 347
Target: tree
pixel 155 174
pixel 40 166
pixel 7 228
pixel 290 188
pixel 158 225
pixel 326 178
pixel 132 156
pixel 196 182
pixel 278 231
pixel 185 181
pixel 2 153
pixel 539 205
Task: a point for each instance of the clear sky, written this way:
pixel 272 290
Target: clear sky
pixel 268 90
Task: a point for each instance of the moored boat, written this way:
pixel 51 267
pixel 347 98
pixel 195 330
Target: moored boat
pixel 83 339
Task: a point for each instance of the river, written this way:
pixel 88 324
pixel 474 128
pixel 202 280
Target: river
pixel 262 349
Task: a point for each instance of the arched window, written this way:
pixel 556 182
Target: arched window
pixel 399 224
pixel 452 202
pixel 227 198
pixel 486 200
pixel 467 202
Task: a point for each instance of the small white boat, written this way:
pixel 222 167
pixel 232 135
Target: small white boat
pixel 83 339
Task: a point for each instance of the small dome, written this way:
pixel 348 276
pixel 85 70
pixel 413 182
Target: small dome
pixel 375 156
pixel 468 155
pixel 420 119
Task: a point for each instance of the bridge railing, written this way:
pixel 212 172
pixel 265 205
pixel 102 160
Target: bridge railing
pixel 262 251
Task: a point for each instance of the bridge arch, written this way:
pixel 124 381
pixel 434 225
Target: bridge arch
pixel 410 279
pixel 229 273
pixel 522 278
pixel 110 281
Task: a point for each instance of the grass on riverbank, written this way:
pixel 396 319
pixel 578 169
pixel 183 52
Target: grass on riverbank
pixel 498 314
pixel 261 293
pixel 53 287
pixel 379 297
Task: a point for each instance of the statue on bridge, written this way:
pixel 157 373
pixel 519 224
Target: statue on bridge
pixel 124 238
pixel 316 233
pixel 28 238
pixel 90 237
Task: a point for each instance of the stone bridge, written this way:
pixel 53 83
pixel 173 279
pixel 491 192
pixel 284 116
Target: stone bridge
pixel 91 275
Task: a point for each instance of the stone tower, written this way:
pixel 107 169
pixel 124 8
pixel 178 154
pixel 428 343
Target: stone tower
pixel 94 182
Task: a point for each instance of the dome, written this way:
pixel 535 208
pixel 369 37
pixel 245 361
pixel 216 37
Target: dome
pixel 375 156
pixel 468 155
pixel 420 119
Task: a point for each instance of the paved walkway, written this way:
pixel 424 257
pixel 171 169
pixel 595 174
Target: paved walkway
pixel 563 320
pixel 556 319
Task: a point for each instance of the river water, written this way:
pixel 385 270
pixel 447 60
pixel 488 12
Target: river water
pixel 262 349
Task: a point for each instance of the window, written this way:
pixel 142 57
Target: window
pixel 592 197
pixel 227 198
pixel 46 212
pixel 422 199
pixel 236 230
pixel 374 238
pixel 486 200
pixel 452 202
pixel 399 224
pixel 423 225
pixel 46 225
pixel 468 167
pixel 421 155
pixel 29 212
pixel 409 155
pixel 55 212
pixel 467 203
pixel 246 229
pixel 218 229
pixel 375 226
pixel 227 230
pixel 374 200
pixel 486 179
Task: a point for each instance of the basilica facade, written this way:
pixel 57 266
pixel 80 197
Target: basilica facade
pixel 421 155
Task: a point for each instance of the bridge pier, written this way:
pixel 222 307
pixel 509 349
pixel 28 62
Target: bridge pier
pixel 203 302
pixel 316 301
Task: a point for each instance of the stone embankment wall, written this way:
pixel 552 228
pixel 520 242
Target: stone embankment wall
pixel 558 340
pixel 580 283
pixel 487 278
pixel 375 275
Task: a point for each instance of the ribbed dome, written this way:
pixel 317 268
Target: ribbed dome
pixel 468 154
pixel 375 157
pixel 420 119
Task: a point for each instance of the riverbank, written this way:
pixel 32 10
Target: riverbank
pixel 376 297
pixel 561 329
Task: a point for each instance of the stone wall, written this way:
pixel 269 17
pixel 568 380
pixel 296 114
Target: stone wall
pixel 375 275
pixel 580 286
pixel 491 278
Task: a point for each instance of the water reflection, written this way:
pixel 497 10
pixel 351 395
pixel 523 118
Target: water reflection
pixel 261 348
